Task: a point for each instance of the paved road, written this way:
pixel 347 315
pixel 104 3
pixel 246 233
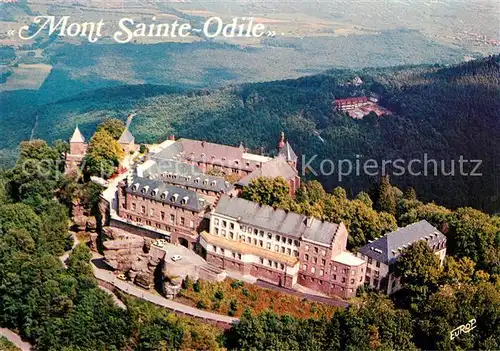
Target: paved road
pixel 312 297
pixel 15 339
pixel 128 288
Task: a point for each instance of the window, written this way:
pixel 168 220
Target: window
pixel 367 279
pixel 378 264
pixel 283 240
pixel 334 277
pixel 234 255
pixel 368 270
pixel 249 230
pixel 239 256
pixel 269 236
pixel 172 218
pixel 261 260
pixel 261 233
pixel 231 235
pixel 268 246
pixel 334 268
pixel 313 269
pixel 277 238
pixel 306 256
pixel 222 250
pixel 343 279
pixel 289 241
pixel 282 249
pixel 307 247
pixel 369 260
pixel 261 244
pixel 243 228
pixel 321 272
pixel 133 206
pixel 191 224
pixel 352 281
pixel 152 212
pixel 182 220
pixel 223 232
pixel 315 250
pixel 224 224
pixel 323 262
pixel 162 215
pixel 289 251
pixel 296 243
pixel 249 240
pixel 315 260
pixel 143 209
pixel 216 231
pixel 256 231
pixel 304 267
pixel 276 248
pixel 295 253
pixel 231 225
pixel 323 252
pixel 377 273
pixel 282 266
pixel 352 272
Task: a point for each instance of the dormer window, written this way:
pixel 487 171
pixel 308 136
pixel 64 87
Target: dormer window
pixel 236 162
pixel 223 159
pixel 213 157
pixel 205 181
pixel 248 164
pixel 202 155
pixel 197 180
pixel 155 192
pixel 164 195
pixel 184 200
pixel 214 183
pixel 135 186
pixel 174 197
pixel 145 189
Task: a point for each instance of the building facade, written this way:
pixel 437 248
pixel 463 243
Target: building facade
pixel 77 151
pixel 381 255
pixel 281 247
pixel 350 103
pixel 175 211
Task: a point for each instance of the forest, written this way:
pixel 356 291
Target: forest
pixel 58 308
pixel 442 112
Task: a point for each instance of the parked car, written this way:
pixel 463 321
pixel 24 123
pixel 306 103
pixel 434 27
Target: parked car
pixel 176 258
pixel 122 276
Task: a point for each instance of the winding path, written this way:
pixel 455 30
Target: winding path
pixel 15 339
pixel 107 276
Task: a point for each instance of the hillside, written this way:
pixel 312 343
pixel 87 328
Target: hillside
pixel 441 111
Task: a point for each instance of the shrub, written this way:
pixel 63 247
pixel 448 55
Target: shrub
pixel 245 292
pixel 216 306
pixel 233 305
pixel 237 284
pixel 219 295
pixel 187 283
pixel 201 304
pixel 196 287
